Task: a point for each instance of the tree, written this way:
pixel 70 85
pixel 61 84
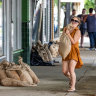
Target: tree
pixel 89 4
pixel 56 2
pixel 63 4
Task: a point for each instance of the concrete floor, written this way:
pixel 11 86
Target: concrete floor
pixel 54 83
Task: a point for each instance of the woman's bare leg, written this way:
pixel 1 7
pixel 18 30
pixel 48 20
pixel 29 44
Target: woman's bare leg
pixel 65 69
pixel 72 64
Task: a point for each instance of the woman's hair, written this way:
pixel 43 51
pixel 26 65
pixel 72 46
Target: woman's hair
pixel 78 19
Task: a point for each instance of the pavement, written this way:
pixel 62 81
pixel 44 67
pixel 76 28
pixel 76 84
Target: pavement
pixel 54 83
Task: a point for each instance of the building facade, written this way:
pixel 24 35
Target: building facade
pixel 23 23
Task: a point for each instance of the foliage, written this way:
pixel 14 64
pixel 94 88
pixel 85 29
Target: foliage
pixel 63 4
pixel 0 4
pixel 56 2
pixel 89 4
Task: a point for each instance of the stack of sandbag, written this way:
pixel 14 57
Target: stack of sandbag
pixel 12 74
pixel 41 54
pixel 65 43
pixel 44 51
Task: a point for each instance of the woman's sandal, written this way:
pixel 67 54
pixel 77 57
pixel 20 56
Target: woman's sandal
pixel 71 90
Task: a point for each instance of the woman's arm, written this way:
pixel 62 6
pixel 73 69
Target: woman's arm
pixel 76 36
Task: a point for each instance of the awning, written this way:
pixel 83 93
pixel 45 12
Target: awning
pixel 71 0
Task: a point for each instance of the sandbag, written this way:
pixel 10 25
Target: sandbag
pixel 24 76
pixel 54 50
pixel 33 76
pixel 43 54
pixel 12 74
pixel 48 52
pixel 13 82
pixel 27 69
pixel 2 74
pixel 36 60
pixel 65 43
pixel 4 64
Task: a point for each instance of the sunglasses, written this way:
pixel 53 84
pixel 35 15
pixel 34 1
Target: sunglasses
pixel 76 21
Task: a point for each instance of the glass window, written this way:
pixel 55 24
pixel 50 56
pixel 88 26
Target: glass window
pixel 1 32
pixel 16 24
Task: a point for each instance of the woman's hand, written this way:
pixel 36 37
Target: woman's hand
pixel 67 32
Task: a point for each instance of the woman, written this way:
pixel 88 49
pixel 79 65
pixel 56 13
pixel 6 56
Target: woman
pixel 73 59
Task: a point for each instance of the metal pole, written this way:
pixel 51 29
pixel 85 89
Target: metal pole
pixel 49 20
pixel 52 19
pixel 30 23
pixel 59 17
pixel 67 14
pixel 9 32
pixel 43 33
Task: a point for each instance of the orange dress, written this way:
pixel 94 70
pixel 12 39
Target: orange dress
pixel 74 53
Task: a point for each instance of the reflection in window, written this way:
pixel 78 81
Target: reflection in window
pixel 1 33
pixel 36 35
